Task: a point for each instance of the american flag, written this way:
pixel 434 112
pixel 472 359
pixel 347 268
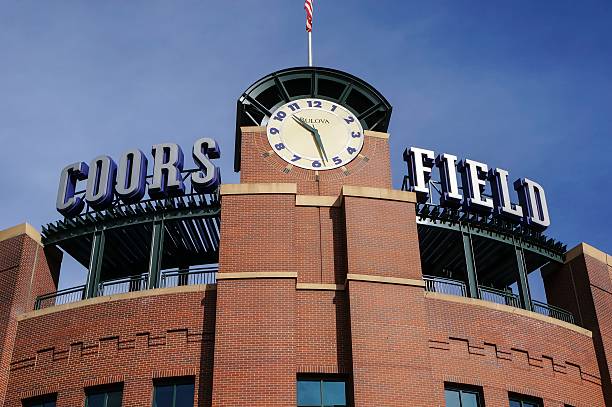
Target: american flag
pixel 308 8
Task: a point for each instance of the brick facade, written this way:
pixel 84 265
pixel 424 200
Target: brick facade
pixel 319 274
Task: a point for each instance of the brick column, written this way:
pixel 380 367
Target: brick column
pixel 584 286
pixel 254 362
pixel 26 271
pixel 387 310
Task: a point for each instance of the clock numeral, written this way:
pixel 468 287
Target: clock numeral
pixel 351 150
pixel 334 107
pixel 337 160
pixel 280 116
pixel 295 158
pixel 279 146
pixel 274 130
pixel 355 134
pixel 316 103
pixel 294 107
pixel 349 119
pixel 316 164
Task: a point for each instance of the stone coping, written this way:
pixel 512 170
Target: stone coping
pixel 118 297
pixel 22 229
pixel 256 274
pixel 379 193
pixel 584 248
pixel 320 287
pixel 255 189
pixel 509 309
pixel 318 200
pixel 377 134
pixel 385 280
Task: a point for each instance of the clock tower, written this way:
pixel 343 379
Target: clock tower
pixel 319 274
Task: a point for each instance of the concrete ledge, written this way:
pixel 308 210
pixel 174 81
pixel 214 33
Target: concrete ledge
pixel 386 280
pixel 509 309
pixel 379 193
pixel 322 287
pixel 22 229
pixel 252 129
pixel 376 134
pixel 586 249
pixel 256 274
pixel 317 200
pixel 118 297
pixel 256 189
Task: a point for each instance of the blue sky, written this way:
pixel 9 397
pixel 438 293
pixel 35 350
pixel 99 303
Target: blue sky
pixel 523 85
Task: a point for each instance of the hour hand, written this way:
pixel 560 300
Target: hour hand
pixel 304 124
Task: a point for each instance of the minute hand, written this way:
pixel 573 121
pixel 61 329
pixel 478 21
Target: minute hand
pixel 320 143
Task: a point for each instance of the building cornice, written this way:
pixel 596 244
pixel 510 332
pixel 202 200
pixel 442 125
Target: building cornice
pixel 586 249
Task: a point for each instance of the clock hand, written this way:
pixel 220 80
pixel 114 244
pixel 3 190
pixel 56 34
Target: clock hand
pixel 320 143
pixel 315 134
pixel 303 123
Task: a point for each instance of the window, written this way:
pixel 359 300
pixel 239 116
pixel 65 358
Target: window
pixel 175 392
pixel 44 401
pixel 104 396
pixel 519 400
pixel 458 395
pixel 317 392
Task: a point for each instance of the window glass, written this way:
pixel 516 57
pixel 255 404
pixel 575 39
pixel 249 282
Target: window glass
pixel 309 393
pixel 321 393
pixel 453 398
pixel 114 399
pixel 96 400
pixel 457 395
pixel 514 403
pixel 174 393
pixel 334 394
pixel 104 396
pixel 184 395
pixel 469 399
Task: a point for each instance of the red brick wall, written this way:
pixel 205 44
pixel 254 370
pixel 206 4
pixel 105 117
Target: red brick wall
pixel 382 238
pixel 389 346
pixel 504 352
pixel 131 341
pixel 255 344
pixel 592 283
pixel 26 271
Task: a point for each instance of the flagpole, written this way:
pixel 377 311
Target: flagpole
pixel 309 48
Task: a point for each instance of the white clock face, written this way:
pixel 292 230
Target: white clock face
pixel 315 134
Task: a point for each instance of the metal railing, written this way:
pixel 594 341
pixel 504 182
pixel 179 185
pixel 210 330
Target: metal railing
pixel 60 297
pixel 445 286
pixel 123 285
pixel 552 311
pixel 499 296
pixel 195 275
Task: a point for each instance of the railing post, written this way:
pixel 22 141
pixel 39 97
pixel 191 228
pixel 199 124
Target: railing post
pixel 155 257
pixel 523 284
pixel 95 264
pixel 470 264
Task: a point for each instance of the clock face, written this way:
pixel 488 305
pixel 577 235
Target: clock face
pixel 315 134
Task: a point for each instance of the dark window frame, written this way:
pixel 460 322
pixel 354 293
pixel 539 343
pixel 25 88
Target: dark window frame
pixel 46 400
pixel 103 389
pixel 173 381
pixel 346 379
pixel 466 388
pixel 524 398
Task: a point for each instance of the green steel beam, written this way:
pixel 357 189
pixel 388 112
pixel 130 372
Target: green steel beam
pixel 155 258
pixel 470 264
pixel 489 234
pixel 56 235
pixel 95 264
pixel 523 283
